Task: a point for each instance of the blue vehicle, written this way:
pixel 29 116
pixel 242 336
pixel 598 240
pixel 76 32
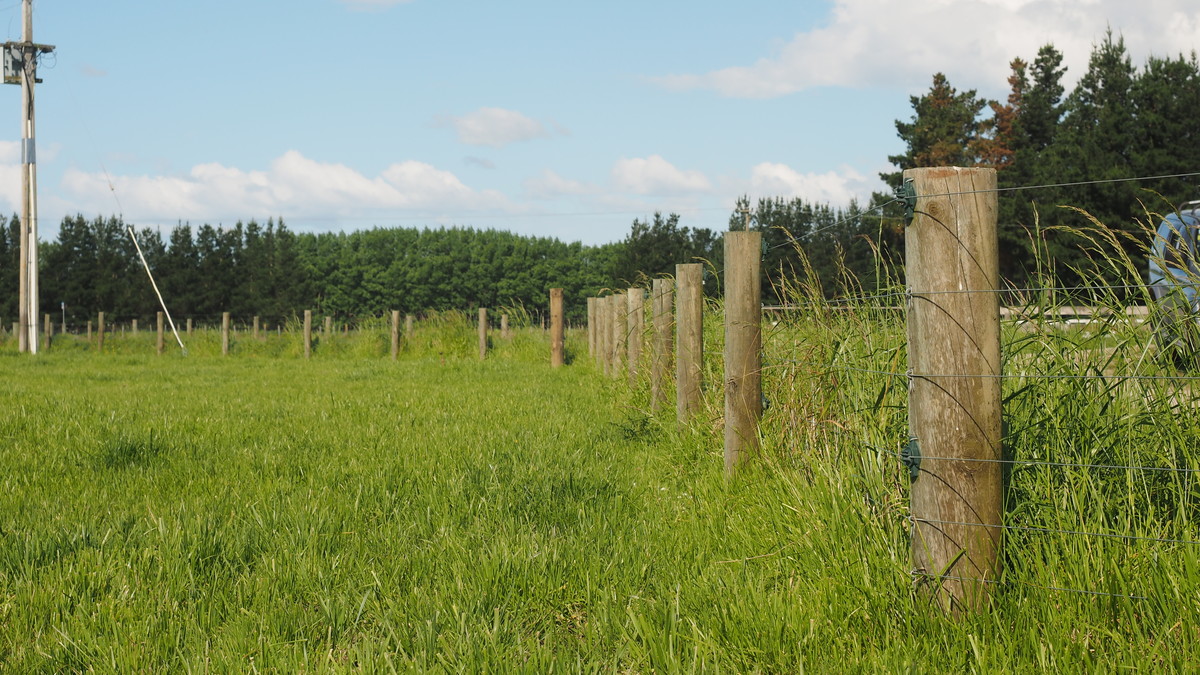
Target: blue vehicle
pixel 1175 284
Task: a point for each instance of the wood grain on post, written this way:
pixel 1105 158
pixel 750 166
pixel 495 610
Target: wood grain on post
pixel 483 332
pixel 591 326
pixel 663 321
pixel 743 345
pixel 689 338
pixel 395 334
pixel 224 333
pixel 161 343
pixel 308 333
pixel 952 269
pixel 620 313
pixel 603 335
pixel 100 332
pixel 635 309
pixel 557 335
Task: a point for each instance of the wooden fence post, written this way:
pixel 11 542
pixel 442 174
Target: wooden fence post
pixel 689 338
pixel 483 332
pixel 100 333
pixel 504 327
pixel 408 327
pixel 48 331
pixel 603 335
pixel 89 331
pixel 557 334
pixel 308 333
pixel 256 327
pixel 161 344
pixel 662 301
pixel 224 333
pixel 952 269
pixel 133 327
pixel 591 326
pixel 328 327
pixel 395 334
pixel 620 315
pixel 189 327
pixel 743 345
pixel 635 324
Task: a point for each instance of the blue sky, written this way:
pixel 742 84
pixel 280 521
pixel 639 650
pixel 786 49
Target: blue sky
pixel 543 118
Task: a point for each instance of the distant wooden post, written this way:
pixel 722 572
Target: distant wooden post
pixel 395 334
pixel 100 332
pixel 161 344
pixel 308 333
pixel 189 327
pixel 635 323
pixel 743 345
pixel 689 338
pixel 954 409
pixel 256 327
pixel 48 331
pixel 662 301
pixel 224 333
pixel 504 326
pixel 591 326
pixel 483 333
pixel 617 305
pixel 89 331
pixel 557 336
pixel 408 327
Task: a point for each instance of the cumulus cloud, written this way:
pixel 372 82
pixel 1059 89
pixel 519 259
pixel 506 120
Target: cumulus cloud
pixel 550 185
pixel 294 186
pixel 654 175
pixel 770 179
pixel 494 127
pixel 886 43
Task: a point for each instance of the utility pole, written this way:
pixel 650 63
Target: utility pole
pixel 20 67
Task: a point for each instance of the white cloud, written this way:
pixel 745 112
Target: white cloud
pixel 494 127
pixel 654 175
pixel 294 186
pixel 550 185
pixel 887 43
pixel 770 179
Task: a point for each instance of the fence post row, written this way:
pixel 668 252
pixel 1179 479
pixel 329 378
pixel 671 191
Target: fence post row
pixel 954 391
pixel 743 345
pixel 662 301
pixel 557 334
pixel 689 338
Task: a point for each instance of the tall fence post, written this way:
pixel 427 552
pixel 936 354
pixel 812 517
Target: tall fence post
pixel 620 313
pixel 662 300
pixel 160 345
pixel 100 332
pixel 689 338
pixel 395 334
pixel 591 326
pixel 224 333
pixel 557 335
pixel 635 323
pixel 483 332
pixel 954 414
pixel 308 333
pixel 743 345
pixel 603 335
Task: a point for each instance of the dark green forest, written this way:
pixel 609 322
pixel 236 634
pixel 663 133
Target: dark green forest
pixel 1049 147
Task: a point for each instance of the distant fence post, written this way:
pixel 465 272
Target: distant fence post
pixel 557 336
pixel 504 326
pixel 662 300
pixel 591 326
pixel 161 343
pixel 635 308
pixel 100 332
pixel 189 327
pixel 89 331
pixel 408 327
pixel 743 345
pixel 952 269
pixel 256 327
pixel 483 332
pixel 133 327
pixel 308 333
pixel 603 335
pixel 328 327
pixel 395 334
pixel 224 333
pixel 689 338
pixel 48 331
pixel 620 316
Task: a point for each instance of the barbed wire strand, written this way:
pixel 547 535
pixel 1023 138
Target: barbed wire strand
pixel 1048 530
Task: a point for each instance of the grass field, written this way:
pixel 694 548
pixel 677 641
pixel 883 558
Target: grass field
pixel 262 513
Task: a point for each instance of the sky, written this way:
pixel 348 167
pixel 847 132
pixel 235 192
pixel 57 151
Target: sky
pixel 556 119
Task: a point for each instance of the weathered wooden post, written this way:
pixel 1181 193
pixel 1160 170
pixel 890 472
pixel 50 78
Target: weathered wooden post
pixel 256 327
pixel 100 332
pixel 557 334
pixel 395 334
pixel 48 331
pixel 635 303
pixel 591 326
pixel 689 338
pixel 328 327
pixel 408 327
pixel 133 327
pixel 504 327
pixel 308 333
pixel 662 301
pixel 189 327
pixel 620 338
pixel 483 332
pixel 743 345
pixel 89 331
pixel 161 343
pixel 953 276
pixel 224 333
